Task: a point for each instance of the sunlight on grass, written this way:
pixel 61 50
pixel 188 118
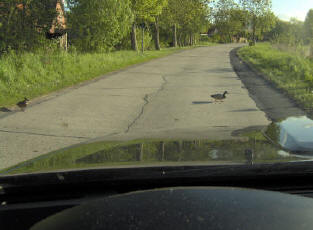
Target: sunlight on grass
pixel 288 71
pixel 35 74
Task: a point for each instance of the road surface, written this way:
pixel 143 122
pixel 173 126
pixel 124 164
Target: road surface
pixel 163 98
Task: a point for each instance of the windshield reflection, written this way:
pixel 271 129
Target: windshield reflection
pixel 294 134
pixel 251 148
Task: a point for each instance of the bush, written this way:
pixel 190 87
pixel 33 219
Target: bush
pixel 99 25
pixel 125 44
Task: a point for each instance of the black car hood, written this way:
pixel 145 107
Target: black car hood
pixel 279 142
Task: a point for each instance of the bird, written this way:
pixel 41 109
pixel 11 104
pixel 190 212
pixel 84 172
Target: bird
pixel 23 104
pixel 219 97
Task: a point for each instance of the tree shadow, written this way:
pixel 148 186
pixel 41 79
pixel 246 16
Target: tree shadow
pixel 201 102
pixel 4 109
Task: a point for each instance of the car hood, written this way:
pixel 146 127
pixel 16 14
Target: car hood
pixel 283 141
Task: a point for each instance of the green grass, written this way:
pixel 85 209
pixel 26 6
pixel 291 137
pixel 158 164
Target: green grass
pixel 288 71
pixel 206 43
pixel 35 74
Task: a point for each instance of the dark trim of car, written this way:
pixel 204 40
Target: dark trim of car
pixel 288 177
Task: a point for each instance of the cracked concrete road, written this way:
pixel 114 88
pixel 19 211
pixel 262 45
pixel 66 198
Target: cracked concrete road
pixel 163 98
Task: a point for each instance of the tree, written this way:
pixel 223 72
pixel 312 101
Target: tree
pixel 260 16
pixel 308 28
pixel 170 18
pixel 229 20
pixel 191 19
pixel 264 24
pixel 146 11
pixel 99 24
pixel 24 23
pixel 287 33
pixel 182 21
pixel 160 4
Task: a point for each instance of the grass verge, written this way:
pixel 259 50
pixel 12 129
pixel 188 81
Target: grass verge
pixel 35 74
pixel 205 43
pixel 290 72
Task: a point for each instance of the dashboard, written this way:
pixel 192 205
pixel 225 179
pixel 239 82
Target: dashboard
pixel 188 208
pixel 267 196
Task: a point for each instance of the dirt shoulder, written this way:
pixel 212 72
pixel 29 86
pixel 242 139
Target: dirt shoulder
pixel 274 102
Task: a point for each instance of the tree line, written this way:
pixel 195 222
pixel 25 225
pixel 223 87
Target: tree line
pixel 109 24
pixel 294 34
pixel 105 25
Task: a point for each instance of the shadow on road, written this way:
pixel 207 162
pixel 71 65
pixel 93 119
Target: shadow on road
pixel 4 109
pixel 201 102
pixel 221 70
pixel 244 110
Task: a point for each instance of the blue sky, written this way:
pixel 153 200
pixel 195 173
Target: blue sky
pixel 285 9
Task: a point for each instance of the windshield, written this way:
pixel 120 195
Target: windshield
pixel 135 83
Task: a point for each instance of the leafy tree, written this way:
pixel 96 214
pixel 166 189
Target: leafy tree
pixel 146 11
pixel 191 19
pixel 183 20
pixel 24 23
pixel 260 16
pixel 308 28
pixel 286 33
pixel 160 4
pixel 98 24
pixel 170 18
pixel 229 20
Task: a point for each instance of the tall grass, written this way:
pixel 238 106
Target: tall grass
pixel 300 50
pixel 287 70
pixel 32 74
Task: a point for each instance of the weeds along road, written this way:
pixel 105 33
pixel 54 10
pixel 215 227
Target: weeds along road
pixel 163 98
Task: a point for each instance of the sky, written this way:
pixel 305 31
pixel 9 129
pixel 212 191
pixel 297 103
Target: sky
pixel 285 9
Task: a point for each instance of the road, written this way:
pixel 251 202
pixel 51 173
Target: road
pixel 163 98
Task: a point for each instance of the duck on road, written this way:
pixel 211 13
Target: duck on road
pixel 219 97
pixel 23 104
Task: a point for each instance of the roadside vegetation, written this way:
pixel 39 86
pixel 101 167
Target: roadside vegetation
pixel 290 72
pixel 287 59
pixel 101 36
pixel 38 73
pixel 51 44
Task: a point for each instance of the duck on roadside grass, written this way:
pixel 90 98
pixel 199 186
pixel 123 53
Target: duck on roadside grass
pixel 219 97
pixel 23 104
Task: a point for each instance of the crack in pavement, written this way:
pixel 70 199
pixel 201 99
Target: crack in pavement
pixel 40 134
pixel 146 100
